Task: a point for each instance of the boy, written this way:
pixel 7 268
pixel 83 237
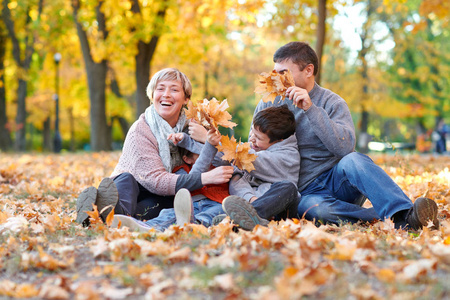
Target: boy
pixel 204 204
pixel 270 189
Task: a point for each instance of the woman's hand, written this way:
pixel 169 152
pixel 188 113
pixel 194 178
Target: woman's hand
pixel 197 131
pixel 213 136
pixel 218 175
pixel 175 137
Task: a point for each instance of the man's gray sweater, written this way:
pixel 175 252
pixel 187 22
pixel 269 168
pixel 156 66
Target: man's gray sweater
pixel 325 132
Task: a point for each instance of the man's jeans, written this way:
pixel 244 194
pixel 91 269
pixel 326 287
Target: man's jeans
pixel 280 201
pixel 331 197
pixel 204 211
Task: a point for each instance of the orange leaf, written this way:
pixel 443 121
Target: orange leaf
pixel 210 113
pixel 237 153
pixel 110 217
pixel 274 84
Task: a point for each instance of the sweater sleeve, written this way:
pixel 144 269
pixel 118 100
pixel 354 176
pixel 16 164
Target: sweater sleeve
pixel 203 162
pixel 140 157
pixel 239 186
pixel 333 127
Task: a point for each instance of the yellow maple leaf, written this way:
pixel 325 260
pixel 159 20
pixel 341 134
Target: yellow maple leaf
pixel 237 153
pixel 273 84
pixel 210 113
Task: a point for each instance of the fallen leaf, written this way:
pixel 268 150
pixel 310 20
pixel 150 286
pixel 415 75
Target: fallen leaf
pixel 273 84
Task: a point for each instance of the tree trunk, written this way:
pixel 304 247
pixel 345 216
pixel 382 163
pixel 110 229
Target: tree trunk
pixel 5 137
pixel 321 34
pixel 96 75
pixel 47 135
pixel 21 116
pixel 143 60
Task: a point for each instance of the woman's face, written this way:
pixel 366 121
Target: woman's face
pixel 168 99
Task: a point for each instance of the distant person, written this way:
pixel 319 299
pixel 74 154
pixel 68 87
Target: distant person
pixel 142 184
pixel 270 190
pixel 441 141
pixel 333 177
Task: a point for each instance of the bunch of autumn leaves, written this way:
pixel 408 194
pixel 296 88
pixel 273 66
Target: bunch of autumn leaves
pixel 211 114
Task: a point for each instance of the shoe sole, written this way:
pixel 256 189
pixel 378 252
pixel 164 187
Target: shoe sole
pixel 426 210
pixel 242 213
pixel 182 204
pixel 84 203
pixel 129 222
pixel 107 197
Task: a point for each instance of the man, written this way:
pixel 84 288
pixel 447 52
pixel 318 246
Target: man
pixel 333 177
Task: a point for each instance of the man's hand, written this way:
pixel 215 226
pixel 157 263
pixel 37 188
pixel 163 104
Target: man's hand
pixel 197 131
pixel 213 136
pixel 299 97
pixel 175 137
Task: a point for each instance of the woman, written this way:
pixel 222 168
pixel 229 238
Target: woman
pixel 142 184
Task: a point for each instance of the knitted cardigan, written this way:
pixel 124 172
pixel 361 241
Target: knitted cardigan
pixel 140 157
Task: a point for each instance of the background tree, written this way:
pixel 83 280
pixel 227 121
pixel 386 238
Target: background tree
pixel 23 49
pixel 5 137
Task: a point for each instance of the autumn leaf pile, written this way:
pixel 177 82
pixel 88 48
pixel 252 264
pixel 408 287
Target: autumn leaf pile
pixel 44 254
pixel 273 84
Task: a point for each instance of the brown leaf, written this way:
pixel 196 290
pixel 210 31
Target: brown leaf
pixel 274 84
pixel 210 113
pixel 237 153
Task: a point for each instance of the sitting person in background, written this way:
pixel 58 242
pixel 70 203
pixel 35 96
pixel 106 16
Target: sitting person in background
pixel 200 206
pixel 271 189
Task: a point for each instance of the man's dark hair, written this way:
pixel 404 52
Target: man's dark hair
pixel 299 53
pixel 277 122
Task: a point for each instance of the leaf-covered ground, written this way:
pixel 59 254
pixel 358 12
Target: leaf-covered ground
pixel 45 254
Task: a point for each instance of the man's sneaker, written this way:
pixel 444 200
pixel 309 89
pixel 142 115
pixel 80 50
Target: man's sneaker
pixel 218 219
pixel 184 210
pixel 130 222
pixel 107 197
pixel 242 213
pixel 424 210
pixel 84 203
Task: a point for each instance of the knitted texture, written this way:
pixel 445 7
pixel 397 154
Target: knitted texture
pixel 140 157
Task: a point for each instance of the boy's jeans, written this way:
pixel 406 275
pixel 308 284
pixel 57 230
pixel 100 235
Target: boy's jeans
pixel 331 196
pixel 280 201
pixel 204 211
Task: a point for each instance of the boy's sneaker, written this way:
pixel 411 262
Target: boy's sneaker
pixel 424 210
pixel 184 209
pixel 107 197
pixel 130 222
pixel 242 213
pixel 218 219
pixel 84 203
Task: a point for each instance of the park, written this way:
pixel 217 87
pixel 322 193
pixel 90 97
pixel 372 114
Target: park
pixel 74 85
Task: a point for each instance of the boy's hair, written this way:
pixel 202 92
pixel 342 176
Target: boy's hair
pixel 170 74
pixel 185 152
pixel 277 122
pixel 299 53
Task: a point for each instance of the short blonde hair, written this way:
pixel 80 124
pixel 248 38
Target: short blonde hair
pixel 170 74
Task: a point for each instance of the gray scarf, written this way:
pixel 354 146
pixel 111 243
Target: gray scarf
pixel 161 129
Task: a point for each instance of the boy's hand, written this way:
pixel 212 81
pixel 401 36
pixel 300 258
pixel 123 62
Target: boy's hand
pixel 175 137
pixel 213 136
pixel 197 131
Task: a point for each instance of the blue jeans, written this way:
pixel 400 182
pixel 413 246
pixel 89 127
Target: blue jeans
pixel 331 197
pixel 280 201
pixel 204 211
pixel 137 201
